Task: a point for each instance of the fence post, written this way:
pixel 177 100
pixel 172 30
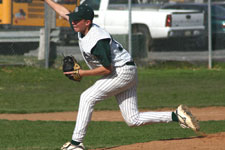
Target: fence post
pixel 209 36
pixel 49 24
pixel 41 49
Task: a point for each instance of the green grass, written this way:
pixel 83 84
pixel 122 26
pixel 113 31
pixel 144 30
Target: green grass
pixel 50 135
pixel 30 89
pixel 164 88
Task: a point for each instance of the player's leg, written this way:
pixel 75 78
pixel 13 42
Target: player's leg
pixel 127 101
pixel 103 88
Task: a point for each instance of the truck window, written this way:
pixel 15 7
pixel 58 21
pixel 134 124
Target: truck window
pixel 94 4
pixel 123 4
pixel 111 2
pixel 118 5
pixel 67 1
pixel 23 1
pixel 218 11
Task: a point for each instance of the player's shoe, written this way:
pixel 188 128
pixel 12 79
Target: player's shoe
pixel 186 119
pixel 69 146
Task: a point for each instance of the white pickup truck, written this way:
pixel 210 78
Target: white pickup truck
pixel 153 23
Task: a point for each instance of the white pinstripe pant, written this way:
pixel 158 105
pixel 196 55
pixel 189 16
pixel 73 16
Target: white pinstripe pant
pixel 121 84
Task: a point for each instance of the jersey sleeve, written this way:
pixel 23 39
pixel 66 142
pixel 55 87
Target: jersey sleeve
pixel 102 51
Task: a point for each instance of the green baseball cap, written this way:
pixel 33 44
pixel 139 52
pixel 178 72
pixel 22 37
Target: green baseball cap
pixel 82 12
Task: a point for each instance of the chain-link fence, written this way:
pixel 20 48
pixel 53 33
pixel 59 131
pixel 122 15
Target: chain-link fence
pixel 182 41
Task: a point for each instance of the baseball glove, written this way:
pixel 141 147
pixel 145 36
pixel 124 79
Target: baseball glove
pixel 70 65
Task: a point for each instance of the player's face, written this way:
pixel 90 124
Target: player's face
pixel 81 26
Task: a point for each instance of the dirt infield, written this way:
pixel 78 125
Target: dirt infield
pixel 208 142
pixel 202 114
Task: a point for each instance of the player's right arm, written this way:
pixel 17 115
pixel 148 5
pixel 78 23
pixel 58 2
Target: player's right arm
pixel 61 10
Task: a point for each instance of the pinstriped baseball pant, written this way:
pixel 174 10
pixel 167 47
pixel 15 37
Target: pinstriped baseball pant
pixel 121 84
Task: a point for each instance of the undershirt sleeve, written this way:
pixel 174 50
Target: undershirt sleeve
pixel 102 51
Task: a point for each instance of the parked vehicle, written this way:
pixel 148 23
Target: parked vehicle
pixel 23 15
pixel 220 3
pixel 153 23
pixel 217 13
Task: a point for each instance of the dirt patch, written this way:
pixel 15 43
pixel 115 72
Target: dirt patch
pixel 208 142
pixel 202 114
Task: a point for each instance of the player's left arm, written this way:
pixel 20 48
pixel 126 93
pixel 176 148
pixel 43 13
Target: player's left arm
pixel 103 53
pixel 102 70
pixel 93 72
pixel 96 72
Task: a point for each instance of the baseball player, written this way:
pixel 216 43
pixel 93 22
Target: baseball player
pixel 107 58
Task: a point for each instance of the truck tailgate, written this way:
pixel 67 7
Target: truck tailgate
pixel 190 19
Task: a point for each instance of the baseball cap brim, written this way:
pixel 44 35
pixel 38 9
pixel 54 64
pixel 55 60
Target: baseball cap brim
pixel 75 16
pixel 82 12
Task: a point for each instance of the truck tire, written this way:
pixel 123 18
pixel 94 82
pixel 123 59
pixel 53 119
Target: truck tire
pixel 143 29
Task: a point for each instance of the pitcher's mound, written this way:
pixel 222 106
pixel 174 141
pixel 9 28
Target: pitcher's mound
pixel 209 142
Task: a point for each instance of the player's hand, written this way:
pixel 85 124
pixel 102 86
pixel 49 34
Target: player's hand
pixel 71 68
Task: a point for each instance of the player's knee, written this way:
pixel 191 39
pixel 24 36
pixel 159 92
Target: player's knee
pixel 86 98
pixel 132 122
pixel 83 96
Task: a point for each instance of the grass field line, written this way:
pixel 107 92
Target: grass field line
pixel 202 114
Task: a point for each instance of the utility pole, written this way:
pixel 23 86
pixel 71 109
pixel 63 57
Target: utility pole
pixel 130 26
pixel 49 24
pixel 209 36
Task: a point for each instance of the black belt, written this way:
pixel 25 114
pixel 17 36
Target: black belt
pixel 130 63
